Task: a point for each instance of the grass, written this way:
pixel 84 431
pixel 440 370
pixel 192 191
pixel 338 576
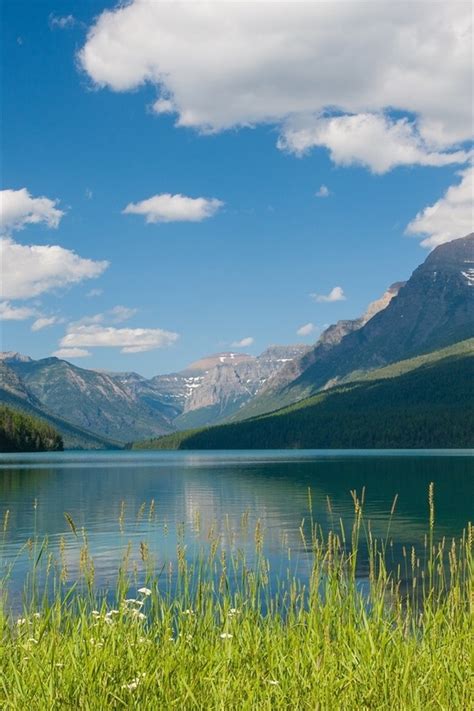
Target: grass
pixel 213 633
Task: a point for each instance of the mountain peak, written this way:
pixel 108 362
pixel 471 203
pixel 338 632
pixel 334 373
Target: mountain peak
pixel 456 251
pixel 14 357
pixel 211 361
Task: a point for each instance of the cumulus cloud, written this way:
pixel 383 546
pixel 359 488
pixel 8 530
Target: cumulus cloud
pixel 9 312
pixel 71 353
pixel 306 330
pixel 322 192
pixel 372 140
pixel 18 208
pixel 336 294
pixel 31 270
pixel 243 343
pixel 222 65
pixel 44 322
pixel 129 340
pixel 448 218
pixel 174 208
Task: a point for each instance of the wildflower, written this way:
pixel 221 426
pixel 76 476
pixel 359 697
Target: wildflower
pixel 37 615
pixel 134 683
pixel 59 665
pixel 110 613
pixel 32 640
pixel 273 682
pixel 234 611
pixel 132 686
pixel 95 613
pixel 132 601
pixel 189 612
pixel 138 615
pixel 145 591
pixel 108 620
pixel 21 621
pixel 226 635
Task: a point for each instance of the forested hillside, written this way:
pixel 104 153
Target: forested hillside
pixel 429 406
pixel 22 433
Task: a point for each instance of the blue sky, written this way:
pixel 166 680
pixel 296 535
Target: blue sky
pixel 247 271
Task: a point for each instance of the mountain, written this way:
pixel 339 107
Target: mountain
pixel 91 400
pixel 98 409
pixel 14 394
pixel 23 433
pixel 424 402
pixel 212 388
pixel 433 309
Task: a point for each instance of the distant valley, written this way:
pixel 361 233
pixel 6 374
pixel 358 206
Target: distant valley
pixel 432 311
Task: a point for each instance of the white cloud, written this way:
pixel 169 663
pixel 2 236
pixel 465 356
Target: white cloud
pixel 44 322
pixel 94 292
pixel 117 314
pixel 243 343
pixel 8 312
pixel 129 340
pixel 372 140
pixel 306 330
pixel 18 208
pixel 174 208
pixel 336 294
pixel 62 22
pixel 31 270
pixel 71 353
pixel 222 65
pixel 450 217
pixel 322 192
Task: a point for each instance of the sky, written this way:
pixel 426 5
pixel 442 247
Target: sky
pixel 180 179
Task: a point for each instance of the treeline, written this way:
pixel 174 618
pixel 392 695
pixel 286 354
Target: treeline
pixel 430 407
pixel 23 433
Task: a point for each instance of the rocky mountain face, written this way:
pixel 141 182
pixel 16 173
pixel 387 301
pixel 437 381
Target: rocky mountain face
pixel 211 389
pixel 433 309
pixel 93 401
pixel 331 337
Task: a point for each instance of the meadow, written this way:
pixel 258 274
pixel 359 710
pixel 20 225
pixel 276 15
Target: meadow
pixel 212 631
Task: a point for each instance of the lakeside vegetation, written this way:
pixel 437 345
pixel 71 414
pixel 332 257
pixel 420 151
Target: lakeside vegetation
pixel 213 633
pixel 426 402
pixel 22 433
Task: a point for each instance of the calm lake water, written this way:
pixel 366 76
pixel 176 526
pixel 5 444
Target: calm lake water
pixel 99 489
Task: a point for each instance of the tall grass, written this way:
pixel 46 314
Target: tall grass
pixel 213 632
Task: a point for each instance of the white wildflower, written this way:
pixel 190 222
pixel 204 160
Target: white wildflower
pixel 226 635
pixel 95 613
pixel 32 640
pixel 273 682
pixel 189 612
pixel 21 621
pixel 145 591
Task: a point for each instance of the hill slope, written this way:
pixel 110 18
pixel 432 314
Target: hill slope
pixel 422 403
pixel 22 433
pixel 14 394
pixel 434 309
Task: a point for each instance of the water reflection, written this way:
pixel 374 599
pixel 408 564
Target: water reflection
pixel 96 489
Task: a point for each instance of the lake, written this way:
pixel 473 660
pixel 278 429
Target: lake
pixel 125 497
